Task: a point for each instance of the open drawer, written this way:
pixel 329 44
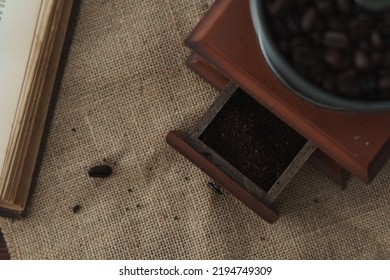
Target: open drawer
pixel 245 149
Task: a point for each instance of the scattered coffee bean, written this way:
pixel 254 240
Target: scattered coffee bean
pixel 100 171
pixel 76 208
pixel 336 44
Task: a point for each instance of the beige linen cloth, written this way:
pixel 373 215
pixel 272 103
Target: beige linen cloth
pixel 125 86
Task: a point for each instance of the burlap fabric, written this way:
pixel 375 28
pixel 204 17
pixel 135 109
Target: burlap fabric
pixel 125 86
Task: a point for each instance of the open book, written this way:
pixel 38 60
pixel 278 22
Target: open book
pixel 32 35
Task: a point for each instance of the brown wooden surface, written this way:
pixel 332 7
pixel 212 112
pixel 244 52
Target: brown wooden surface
pixel 4 255
pixel 320 160
pixel 207 72
pixel 359 142
pixel 175 140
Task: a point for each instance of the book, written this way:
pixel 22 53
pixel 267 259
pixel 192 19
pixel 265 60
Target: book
pixel 32 36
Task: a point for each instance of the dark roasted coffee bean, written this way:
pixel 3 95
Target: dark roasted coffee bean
pixel 382 72
pixel 280 29
pixel 284 46
pixel 76 208
pixel 335 39
pixel 384 83
pixel 318 72
pixel 348 84
pixel 338 23
pixel 386 59
pixel 368 85
pixel 308 19
pixel 376 58
pixel 362 61
pixel 316 39
pixel 359 30
pixel 293 24
pixel 100 171
pixel 302 3
pixel 319 25
pixel 329 83
pixel 297 42
pixel 346 63
pixel 307 57
pixel 279 7
pixel 344 6
pixel 365 45
pixel 333 57
pixel 325 7
pixel 384 27
pixel 376 39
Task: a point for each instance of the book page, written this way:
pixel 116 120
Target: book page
pixel 18 20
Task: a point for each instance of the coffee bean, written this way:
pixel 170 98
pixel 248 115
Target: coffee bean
pixel 359 30
pixel 329 83
pixel 376 58
pixel 308 19
pixel 376 39
pixel 293 24
pixel 384 27
pixel 100 171
pixel 335 44
pixel 316 38
pixel 298 42
pixel 335 39
pixel 284 46
pixel 307 57
pixel 318 72
pixel 365 45
pixel 362 61
pixel 333 57
pixel 368 85
pixel 279 7
pixel 384 83
pixel 325 7
pixel 338 23
pixel 76 208
pixel 386 59
pixel 280 29
pixel 344 6
pixel 302 3
pixel 348 84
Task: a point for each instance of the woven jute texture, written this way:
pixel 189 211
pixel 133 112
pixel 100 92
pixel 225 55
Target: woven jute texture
pixel 125 86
